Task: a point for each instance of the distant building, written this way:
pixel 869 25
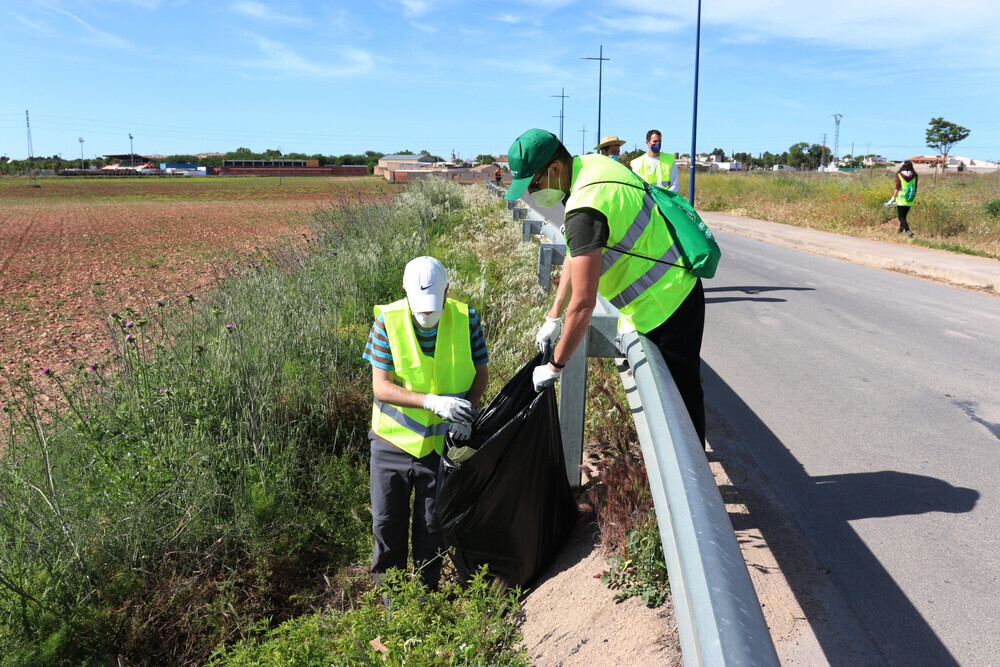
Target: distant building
pixel 288 168
pixel 388 164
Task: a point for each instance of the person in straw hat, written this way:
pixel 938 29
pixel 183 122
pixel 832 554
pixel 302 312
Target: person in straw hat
pixel 610 146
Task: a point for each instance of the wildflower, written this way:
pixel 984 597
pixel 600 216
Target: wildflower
pixel 128 337
pixel 128 325
pixel 229 327
pixel 46 371
pixel 86 417
pixel 164 391
pixel 92 368
pixel 334 252
pixel 340 236
pixel 190 297
pixel 159 303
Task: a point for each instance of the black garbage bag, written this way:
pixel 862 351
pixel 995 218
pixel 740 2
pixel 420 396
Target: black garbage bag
pixel 509 505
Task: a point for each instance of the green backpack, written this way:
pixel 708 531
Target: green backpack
pixel 697 245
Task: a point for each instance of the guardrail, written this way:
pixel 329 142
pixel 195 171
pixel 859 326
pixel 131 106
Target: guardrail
pixel 719 619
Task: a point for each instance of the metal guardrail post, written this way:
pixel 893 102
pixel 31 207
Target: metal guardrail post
pixel 519 213
pixel 529 228
pixel 573 389
pixel 549 255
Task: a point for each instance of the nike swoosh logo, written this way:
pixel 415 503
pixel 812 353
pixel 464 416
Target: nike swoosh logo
pixel 426 286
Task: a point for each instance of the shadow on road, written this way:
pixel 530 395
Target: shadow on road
pixel 898 629
pixel 750 291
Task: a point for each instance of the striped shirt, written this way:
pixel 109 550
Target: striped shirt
pixel 378 353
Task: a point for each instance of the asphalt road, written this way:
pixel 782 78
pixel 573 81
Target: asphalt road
pixel 871 402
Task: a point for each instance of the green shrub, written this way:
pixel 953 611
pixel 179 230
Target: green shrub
pixel 411 625
pixel 992 208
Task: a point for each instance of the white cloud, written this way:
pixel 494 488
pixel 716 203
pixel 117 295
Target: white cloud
pixel 91 35
pixel 423 27
pixel 637 24
pixel 281 58
pixel 860 24
pixel 262 12
pixel 414 8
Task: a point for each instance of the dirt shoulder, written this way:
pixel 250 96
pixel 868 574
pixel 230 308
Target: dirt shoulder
pixel 571 618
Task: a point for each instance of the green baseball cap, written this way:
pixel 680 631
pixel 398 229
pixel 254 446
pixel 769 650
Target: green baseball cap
pixel 529 153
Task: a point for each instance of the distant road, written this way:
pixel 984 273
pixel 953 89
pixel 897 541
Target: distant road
pixel 871 401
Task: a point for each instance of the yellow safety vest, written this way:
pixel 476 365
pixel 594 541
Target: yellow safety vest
pixel 644 291
pixel 449 372
pixel 907 191
pixel 658 176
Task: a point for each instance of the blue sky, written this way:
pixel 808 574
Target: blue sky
pixel 187 76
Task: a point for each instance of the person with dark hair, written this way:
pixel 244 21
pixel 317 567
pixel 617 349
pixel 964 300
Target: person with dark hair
pixel 619 245
pixel 656 167
pixel 905 195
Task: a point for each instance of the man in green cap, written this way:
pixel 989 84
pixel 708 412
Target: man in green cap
pixel 618 245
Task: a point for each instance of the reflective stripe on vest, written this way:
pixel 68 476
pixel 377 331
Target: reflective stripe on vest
pixel 658 176
pixel 613 255
pixel 645 291
pixel 449 372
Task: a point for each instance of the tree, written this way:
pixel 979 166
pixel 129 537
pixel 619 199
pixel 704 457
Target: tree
pixel 485 159
pixel 942 135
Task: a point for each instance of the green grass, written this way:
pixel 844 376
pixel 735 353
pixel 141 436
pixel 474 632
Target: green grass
pixel 956 213
pixel 208 479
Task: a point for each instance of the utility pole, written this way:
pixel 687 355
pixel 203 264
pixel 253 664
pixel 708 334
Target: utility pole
pixel 836 135
pixel 131 154
pixel 822 155
pixel 562 111
pixel 583 140
pixel 27 122
pixel 81 152
pixel 600 72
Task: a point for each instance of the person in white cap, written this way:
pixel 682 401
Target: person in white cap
pixel 429 371
pixel 610 146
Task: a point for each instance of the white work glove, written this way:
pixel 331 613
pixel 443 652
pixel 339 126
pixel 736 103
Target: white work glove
pixel 460 431
pixel 548 333
pixel 543 376
pixel 889 203
pixel 450 408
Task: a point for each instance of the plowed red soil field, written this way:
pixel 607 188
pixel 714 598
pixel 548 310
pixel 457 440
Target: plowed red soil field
pixel 71 250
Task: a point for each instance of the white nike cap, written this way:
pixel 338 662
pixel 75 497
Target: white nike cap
pixel 425 280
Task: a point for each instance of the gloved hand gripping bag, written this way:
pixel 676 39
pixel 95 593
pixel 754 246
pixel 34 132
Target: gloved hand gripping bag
pixel 510 505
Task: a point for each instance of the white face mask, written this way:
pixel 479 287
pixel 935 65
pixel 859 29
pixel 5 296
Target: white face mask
pixel 428 320
pixel 547 197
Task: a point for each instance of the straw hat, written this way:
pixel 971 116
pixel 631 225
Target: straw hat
pixel 608 141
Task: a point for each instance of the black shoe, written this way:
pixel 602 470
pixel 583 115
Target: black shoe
pixel 909 233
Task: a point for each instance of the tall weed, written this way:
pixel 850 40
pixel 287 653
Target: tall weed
pixel 214 469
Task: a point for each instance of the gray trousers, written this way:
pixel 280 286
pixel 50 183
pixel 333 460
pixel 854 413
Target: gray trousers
pixel 395 476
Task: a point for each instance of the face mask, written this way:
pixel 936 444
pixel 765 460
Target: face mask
pixel 655 148
pixel 548 197
pixel 428 320
pixel 614 157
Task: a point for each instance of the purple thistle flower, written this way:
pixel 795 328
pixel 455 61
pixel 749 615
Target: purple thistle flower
pixel 165 391
pixel 128 337
pixel 85 417
pixel 334 252
pixel 128 325
pixel 159 303
pixel 92 368
pixel 229 327
pixel 340 236
pixel 46 371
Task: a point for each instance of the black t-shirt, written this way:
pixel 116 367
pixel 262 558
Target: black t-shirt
pixel 586 229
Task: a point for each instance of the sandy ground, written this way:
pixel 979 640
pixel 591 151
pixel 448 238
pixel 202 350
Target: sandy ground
pixel 571 618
